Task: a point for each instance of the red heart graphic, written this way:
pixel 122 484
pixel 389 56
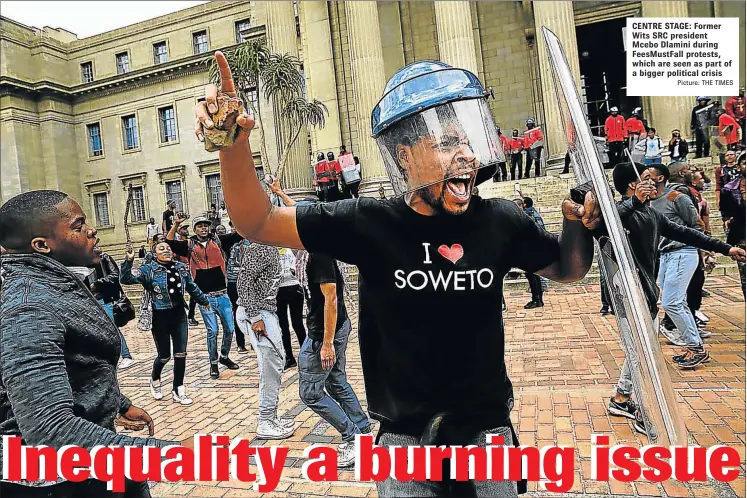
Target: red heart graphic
pixel 453 253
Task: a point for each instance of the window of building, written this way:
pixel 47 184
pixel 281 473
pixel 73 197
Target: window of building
pixel 86 72
pixel 159 53
pixel 123 63
pixel 101 208
pixel 174 193
pixel 167 120
pixel 95 145
pixel 242 30
pixel 214 190
pixel 137 209
pixel 129 132
pixel 253 97
pixel 200 42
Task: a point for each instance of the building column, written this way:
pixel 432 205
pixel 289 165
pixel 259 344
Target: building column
pixel 282 39
pixel 667 113
pixel 456 42
pixel 558 18
pixel 367 64
pixel 319 66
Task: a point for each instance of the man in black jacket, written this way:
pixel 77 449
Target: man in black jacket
pixel 645 227
pixel 58 349
pixel 107 290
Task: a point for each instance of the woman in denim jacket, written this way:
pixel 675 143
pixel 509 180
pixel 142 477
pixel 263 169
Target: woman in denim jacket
pixel 166 280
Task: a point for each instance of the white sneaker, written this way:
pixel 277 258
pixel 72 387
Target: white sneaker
pixel 155 389
pixel 125 363
pixel 270 429
pixel 705 333
pixel 180 396
pixel 700 316
pixel 285 422
pixel 672 336
pixel 346 455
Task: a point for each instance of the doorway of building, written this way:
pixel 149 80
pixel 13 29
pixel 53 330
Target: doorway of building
pixel 601 53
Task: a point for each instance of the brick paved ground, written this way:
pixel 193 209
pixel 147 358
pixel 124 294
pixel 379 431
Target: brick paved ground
pixel 564 361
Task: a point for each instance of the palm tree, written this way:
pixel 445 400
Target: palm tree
pixel 279 77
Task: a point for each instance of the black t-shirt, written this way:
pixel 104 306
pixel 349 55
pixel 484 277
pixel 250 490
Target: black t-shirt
pixel 321 269
pixel 168 218
pixel 430 289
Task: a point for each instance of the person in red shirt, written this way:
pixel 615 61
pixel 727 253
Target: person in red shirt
pixel 500 172
pixel 326 176
pixel 729 131
pixel 514 148
pixel 534 141
pixel 634 129
pixel 734 107
pixel 614 132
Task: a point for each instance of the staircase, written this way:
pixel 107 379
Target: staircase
pixel 548 193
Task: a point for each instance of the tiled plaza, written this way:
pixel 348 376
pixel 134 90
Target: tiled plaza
pixel 564 360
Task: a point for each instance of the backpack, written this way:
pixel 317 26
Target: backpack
pixel 731 198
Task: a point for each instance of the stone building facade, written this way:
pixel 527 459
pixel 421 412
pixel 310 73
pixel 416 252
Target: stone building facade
pixel 93 116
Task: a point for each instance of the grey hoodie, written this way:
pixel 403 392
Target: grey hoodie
pixel 679 209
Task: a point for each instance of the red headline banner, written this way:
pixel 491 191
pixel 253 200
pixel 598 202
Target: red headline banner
pixel 217 458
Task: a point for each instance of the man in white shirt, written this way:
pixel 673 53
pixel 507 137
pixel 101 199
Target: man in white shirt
pixel 152 229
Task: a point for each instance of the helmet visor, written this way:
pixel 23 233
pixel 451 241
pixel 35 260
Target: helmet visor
pixel 450 143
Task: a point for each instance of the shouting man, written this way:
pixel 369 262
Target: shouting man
pixel 431 260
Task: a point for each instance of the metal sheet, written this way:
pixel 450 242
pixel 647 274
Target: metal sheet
pixel 652 386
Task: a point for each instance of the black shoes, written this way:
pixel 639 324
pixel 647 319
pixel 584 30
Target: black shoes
pixel 691 358
pixel 291 363
pixel 193 322
pixel 627 409
pixel 605 310
pixel 534 303
pixel 214 373
pixel 638 424
pixel 242 350
pixel 228 363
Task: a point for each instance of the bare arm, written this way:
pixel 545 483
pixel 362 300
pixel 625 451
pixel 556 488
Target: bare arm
pixel 576 243
pixel 330 311
pixel 576 254
pixel 247 204
pixel 330 322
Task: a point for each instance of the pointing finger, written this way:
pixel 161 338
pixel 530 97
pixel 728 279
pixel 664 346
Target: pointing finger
pixel 226 78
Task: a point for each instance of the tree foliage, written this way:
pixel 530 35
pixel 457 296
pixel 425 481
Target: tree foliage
pixel 280 79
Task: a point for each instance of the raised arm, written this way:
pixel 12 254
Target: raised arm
pixel 128 276
pixel 247 204
pixel 576 244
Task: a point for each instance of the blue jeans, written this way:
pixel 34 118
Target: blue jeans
pixel 651 160
pixel 675 271
pixel 220 307
pixel 109 308
pixel 338 404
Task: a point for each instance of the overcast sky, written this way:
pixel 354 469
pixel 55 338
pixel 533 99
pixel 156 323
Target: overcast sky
pixel 88 18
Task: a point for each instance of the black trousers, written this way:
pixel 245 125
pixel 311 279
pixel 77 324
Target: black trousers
pixel 192 307
pixel 500 173
pixel 615 153
pixel 90 488
pixel 535 284
pixel 515 163
pixel 536 156
pixel 290 298
pixel 702 143
pixel 233 296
